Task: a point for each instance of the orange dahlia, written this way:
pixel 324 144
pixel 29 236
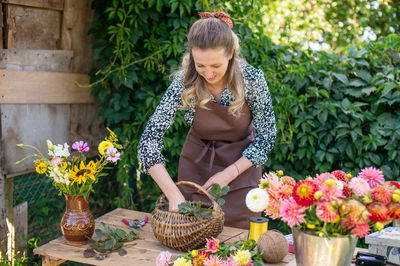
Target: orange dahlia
pixel 303 193
pixel 285 191
pixel 288 180
pixel 378 212
pixel 382 194
pixel 394 210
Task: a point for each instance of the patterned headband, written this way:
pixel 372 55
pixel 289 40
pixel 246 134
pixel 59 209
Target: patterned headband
pixel 219 15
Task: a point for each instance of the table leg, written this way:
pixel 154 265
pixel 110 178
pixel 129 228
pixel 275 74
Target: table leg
pixel 50 261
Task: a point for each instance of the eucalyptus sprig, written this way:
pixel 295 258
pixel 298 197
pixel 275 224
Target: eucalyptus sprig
pixel 107 240
pixel 198 209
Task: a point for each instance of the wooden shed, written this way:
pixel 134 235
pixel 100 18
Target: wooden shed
pixel 44 49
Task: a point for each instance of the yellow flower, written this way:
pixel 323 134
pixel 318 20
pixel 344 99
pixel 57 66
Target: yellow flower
pixel 311 226
pixel 280 173
pixel 182 262
pixel 40 166
pixel 337 219
pixel 195 253
pixel 81 174
pixel 242 257
pixel 379 226
pixel 103 146
pixel 112 138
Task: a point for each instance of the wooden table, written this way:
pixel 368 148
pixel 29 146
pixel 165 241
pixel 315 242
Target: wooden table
pixel 141 252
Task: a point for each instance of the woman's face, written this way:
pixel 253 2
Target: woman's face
pixel 211 64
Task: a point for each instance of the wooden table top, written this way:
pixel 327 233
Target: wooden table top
pixel 141 252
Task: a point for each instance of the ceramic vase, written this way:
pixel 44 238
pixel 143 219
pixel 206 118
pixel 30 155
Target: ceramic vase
pixel 312 250
pixel 77 223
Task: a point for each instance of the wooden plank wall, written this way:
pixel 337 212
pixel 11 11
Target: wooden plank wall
pixel 45 47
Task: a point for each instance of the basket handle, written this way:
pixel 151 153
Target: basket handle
pixel 199 188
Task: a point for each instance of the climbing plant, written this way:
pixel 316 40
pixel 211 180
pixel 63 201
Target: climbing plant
pixel 331 111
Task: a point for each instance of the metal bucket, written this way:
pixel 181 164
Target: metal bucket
pixel 396 223
pixel 312 250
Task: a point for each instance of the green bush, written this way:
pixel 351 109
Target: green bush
pixel 332 112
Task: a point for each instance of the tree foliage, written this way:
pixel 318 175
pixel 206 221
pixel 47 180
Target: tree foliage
pixel 332 111
pixel 335 23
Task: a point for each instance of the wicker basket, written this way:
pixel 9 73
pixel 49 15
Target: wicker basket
pixel 182 232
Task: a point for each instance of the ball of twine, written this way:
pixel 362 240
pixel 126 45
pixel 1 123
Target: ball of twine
pixel 274 245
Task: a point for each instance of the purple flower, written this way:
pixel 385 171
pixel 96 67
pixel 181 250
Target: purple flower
pixel 80 146
pixel 113 154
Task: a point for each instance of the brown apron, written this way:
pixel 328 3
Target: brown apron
pixel 215 141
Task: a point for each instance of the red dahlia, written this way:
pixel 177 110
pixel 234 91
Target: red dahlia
pixel 303 193
pixel 340 175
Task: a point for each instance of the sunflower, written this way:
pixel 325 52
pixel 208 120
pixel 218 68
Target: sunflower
pixel 40 166
pixel 103 146
pixel 82 173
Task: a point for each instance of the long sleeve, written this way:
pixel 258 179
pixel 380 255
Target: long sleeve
pixel 151 142
pixel 259 101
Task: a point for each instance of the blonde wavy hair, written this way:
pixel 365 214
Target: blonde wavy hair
pixel 204 34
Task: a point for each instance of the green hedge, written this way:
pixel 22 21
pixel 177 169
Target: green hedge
pixel 333 112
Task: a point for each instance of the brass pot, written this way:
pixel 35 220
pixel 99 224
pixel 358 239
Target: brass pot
pixel 77 223
pixel 312 250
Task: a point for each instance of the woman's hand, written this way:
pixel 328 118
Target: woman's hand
pixel 174 202
pixel 222 178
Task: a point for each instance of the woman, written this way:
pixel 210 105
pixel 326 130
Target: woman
pixel 227 103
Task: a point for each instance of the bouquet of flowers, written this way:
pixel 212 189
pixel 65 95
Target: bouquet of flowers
pixel 332 204
pixel 74 174
pixel 243 252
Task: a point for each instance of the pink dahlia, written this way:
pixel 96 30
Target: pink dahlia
pixel 330 193
pixel 291 212
pixel 272 209
pixel 361 230
pixel 213 261
pixel 163 259
pixel 212 245
pixel 382 194
pixel 303 193
pixel 230 262
pixel 326 212
pixel 359 186
pixel 372 175
pixel 340 175
pixel 321 178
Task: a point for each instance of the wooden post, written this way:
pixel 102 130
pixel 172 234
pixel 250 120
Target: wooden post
pixel 3 225
pixel 20 217
pixel 9 191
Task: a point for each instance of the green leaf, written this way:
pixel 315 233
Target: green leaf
pixel 120 233
pixel 225 190
pixel 327 83
pixel 108 244
pixel 221 201
pixel 122 252
pixel 368 90
pixel 174 6
pixel 341 77
pixel 356 83
pixel 364 75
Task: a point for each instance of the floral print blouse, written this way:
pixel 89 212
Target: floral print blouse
pixel 257 97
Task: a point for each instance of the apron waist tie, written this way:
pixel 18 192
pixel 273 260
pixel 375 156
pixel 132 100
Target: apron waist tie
pixel 209 146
